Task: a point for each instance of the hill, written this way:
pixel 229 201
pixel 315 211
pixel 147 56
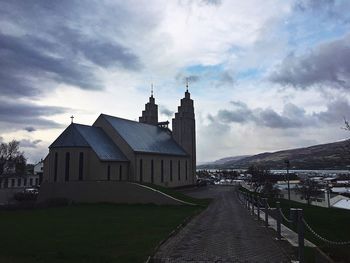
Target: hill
pixel 324 156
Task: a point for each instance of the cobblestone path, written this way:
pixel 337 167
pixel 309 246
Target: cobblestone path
pixel 224 232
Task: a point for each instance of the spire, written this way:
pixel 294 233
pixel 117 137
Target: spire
pixel 72 117
pixel 186 84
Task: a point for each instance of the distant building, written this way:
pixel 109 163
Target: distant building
pixel 39 170
pixel 116 149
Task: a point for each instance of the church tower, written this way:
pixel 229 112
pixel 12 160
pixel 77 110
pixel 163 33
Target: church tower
pixel 184 128
pixel 150 114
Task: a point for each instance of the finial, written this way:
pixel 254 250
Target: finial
pixel 72 117
pixel 186 84
pixel 152 89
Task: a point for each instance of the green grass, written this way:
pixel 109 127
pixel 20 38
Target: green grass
pixel 331 223
pixel 180 196
pixel 87 233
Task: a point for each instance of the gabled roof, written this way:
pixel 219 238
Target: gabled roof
pixel 78 135
pixel 146 138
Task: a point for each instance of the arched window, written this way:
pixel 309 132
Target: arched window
pixel 171 170
pixel 55 167
pixel 162 171
pixel 66 177
pixel 81 165
pixel 141 171
pixel 152 171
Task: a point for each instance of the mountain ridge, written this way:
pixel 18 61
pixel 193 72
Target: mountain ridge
pixel 335 155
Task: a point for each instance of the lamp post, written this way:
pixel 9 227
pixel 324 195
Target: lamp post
pixel 287 166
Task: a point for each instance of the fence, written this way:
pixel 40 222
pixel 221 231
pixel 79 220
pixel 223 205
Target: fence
pixel 256 203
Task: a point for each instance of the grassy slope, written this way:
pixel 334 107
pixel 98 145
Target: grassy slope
pixel 87 233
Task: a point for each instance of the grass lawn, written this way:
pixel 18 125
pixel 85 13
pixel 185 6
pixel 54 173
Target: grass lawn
pixel 87 232
pixel 331 223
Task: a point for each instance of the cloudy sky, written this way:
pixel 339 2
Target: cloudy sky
pixel 265 75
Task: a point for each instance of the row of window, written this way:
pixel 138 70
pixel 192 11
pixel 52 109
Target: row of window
pixel 81 168
pixel 18 182
pixel 162 170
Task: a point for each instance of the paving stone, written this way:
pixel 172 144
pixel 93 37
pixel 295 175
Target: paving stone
pixel 224 232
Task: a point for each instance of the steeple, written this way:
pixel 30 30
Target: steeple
pixel 184 128
pixel 150 114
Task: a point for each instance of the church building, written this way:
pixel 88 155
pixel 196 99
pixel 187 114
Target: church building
pixel 117 149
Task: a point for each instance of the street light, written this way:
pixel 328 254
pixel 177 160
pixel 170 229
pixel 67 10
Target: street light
pixel 288 165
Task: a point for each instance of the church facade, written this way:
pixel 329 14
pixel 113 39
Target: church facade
pixel 116 149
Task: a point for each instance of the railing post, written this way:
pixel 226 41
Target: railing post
pixel 278 219
pixel 252 202
pixel 266 213
pixel 293 216
pixel 300 235
pixel 258 206
pixel 246 201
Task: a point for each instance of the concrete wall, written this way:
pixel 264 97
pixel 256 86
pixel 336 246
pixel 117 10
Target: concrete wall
pixel 157 159
pixel 93 168
pixel 104 191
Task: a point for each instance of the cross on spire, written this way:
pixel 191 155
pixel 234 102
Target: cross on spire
pixel 72 117
pixel 152 89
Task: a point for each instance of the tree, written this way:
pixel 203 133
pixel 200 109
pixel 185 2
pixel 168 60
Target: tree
pixel 308 188
pixel 263 179
pixel 9 152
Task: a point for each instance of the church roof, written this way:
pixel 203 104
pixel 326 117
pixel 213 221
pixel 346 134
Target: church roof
pixel 78 135
pixel 143 137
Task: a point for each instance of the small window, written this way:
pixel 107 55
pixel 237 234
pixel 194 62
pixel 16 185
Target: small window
pixel 178 170
pixel 108 172
pixel 19 182
pixel 171 170
pixel 120 172
pixel 25 182
pixel 152 171
pixel 12 182
pixel 36 181
pixel 141 171
pixel 30 181
pixel 66 177
pixel 186 170
pixel 162 171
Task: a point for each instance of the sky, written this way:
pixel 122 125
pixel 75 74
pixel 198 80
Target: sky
pixel 264 75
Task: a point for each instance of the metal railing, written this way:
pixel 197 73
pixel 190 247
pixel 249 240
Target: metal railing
pixel 296 218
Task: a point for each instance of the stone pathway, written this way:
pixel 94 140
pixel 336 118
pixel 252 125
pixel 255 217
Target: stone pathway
pixel 224 232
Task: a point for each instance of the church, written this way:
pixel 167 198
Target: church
pixel 114 149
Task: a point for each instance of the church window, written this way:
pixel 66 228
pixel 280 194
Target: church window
pixel 81 165
pixel 178 170
pixel 25 182
pixel 36 181
pixel 13 182
pixel 186 170
pixel 30 181
pixel 171 170
pixel 66 175
pixel 152 171
pixel 162 171
pixel 19 182
pixel 141 170
pixel 55 167
pixel 108 172
pixel 120 172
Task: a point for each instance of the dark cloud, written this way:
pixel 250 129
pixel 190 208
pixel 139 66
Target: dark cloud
pixel 212 2
pixel 164 110
pixel 183 78
pixel 21 115
pixel 25 143
pixel 54 49
pixel 327 65
pixel 292 116
pixel 29 129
